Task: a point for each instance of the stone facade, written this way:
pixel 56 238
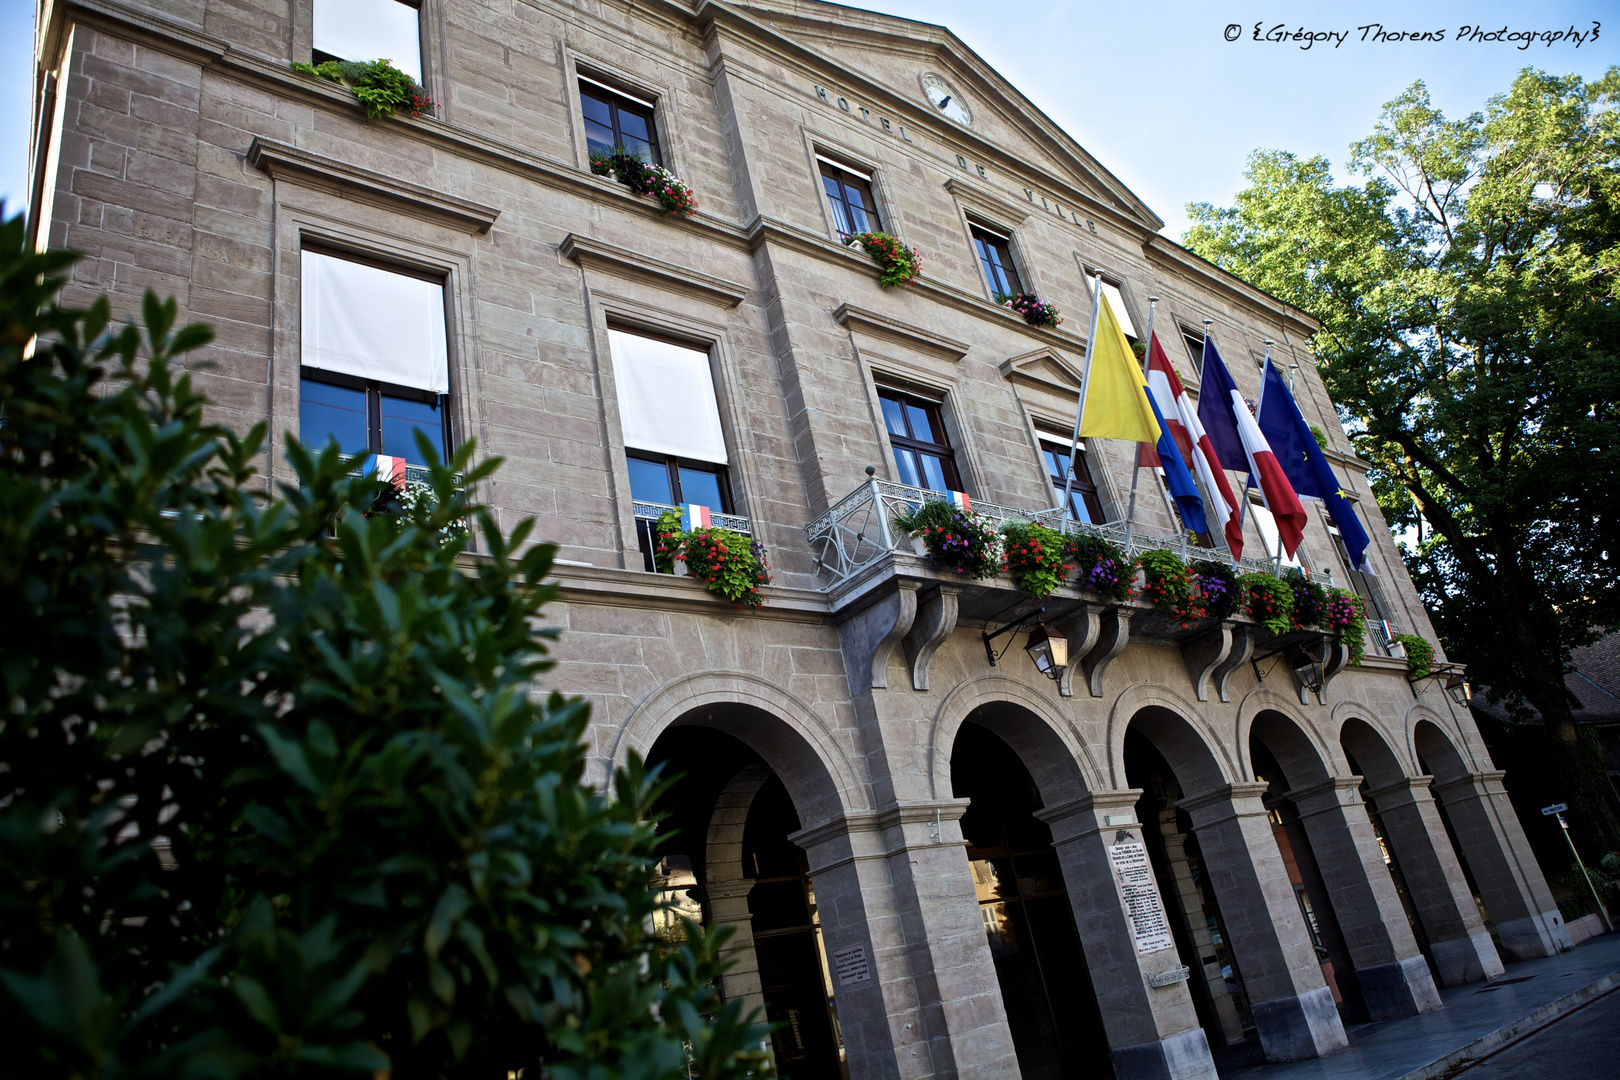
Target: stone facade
pixel 179 152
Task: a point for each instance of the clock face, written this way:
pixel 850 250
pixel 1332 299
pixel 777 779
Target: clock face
pixel 943 96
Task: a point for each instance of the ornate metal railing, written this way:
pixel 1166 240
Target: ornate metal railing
pixel 649 512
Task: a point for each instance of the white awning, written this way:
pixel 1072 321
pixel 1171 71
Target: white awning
pixel 371 30
pixel 373 324
pixel 666 398
pixel 1116 303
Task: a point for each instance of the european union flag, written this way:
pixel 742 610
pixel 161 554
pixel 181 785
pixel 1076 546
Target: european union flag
pixel 1305 465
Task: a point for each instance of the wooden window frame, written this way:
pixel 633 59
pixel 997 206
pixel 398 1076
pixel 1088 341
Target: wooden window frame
pixel 375 391
pixel 1084 486
pixel 619 101
pixel 849 179
pixel 936 417
pixel 985 236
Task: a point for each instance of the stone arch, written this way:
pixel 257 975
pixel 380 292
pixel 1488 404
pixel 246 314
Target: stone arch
pixel 1207 755
pixel 777 726
pixel 1436 748
pixel 723 854
pixel 1375 756
pixel 1048 745
pixel 1292 739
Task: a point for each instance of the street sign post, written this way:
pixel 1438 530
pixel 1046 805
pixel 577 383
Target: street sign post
pixel 1557 810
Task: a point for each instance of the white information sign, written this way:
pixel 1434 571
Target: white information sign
pixel 1148 923
pixel 850 965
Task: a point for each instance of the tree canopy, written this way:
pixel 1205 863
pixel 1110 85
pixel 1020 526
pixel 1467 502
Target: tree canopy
pixel 1470 335
pixel 278 792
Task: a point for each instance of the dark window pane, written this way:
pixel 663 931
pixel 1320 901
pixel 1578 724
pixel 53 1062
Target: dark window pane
pixel 701 487
pixel 921 429
pixel 893 416
pixel 858 201
pixel 598 137
pixel 933 473
pixel 633 126
pixel 596 109
pixel 906 465
pixel 402 419
pixel 331 412
pixel 649 481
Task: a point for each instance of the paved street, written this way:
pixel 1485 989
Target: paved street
pixel 1584 1044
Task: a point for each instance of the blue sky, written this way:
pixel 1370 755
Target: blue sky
pixel 1156 92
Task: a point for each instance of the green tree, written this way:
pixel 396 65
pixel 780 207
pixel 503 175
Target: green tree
pixel 1470 334
pixel 278 794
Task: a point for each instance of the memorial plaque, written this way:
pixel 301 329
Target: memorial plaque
pixel 1149 926
pixel 850 965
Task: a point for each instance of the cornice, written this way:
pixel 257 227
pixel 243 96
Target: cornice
pixel 612 258
pixel 289 162
pixel 615 587
pixel 859 318
pixel 997 203
pixel 1163 250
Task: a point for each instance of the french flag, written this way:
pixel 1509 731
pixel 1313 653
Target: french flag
pixel 960 500
pixel 1171 397
pixel 1239 445
pixel 390 470
pixel 694 516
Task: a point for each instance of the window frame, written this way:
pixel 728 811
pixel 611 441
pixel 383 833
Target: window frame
pixel 935 408
pixel 1257 507
pixel 867 188
pixel 318 56
pixel 594 87
pixel 1085 487
pixel 1197 355
pixel 1088 270
pixel 673 465
pixel 1002 244
pixel 375 390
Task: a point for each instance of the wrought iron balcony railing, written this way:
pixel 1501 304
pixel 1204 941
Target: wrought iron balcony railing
pixel 650 512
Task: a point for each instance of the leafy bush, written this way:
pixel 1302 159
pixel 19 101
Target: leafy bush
pixel 666 540
pixel 729 563
pixel 1036 312
pixel 959 541
pixel 280 796
pixel 1169 584
pixel 380 87
pixel 1218 584
pixel 1345 614
pixel 897 263
pixel 1100 566
pixel 1033 554
pixel 1419 655
pixel 1269 601
pixel 1310 600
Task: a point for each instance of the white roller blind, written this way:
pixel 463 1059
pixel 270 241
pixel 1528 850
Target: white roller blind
pixel 1116 303
pixel 371 30
pixel 1267 524
pixel 666 398
pixel 373 324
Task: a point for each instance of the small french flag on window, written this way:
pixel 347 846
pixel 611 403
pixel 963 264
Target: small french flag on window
pixel 694 516
pixel 390 470
pixel 960 500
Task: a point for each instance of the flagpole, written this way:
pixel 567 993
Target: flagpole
pixel 1136 462
pixel 1259 403
pixel 1085 386
pixel 1243 503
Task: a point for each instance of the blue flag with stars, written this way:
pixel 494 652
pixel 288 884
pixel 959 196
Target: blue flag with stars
pixel 1305 465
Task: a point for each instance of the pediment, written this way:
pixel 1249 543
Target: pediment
pixel 889 56
pixel 1043 369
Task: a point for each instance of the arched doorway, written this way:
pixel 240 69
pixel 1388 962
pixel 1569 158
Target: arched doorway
pixel 1046 989
pixel 728 859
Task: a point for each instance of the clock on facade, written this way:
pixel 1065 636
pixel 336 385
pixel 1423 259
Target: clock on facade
pixel 943 96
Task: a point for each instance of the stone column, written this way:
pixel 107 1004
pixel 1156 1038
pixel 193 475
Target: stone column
pixel 1522 909
pixel 916 988
pixel 1394 977
pixel 1458 941
pixel 728 906
pixel 1153 1030
pixel 1202 935
pixel 1292 1006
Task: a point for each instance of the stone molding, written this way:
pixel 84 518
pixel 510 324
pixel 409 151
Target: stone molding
pixel 1225 797
pixel 1411 786
pixel 1329 795
pixel 875 823
pixel 614 259
pixel 972 196
pixel 283 162
pixel 859 318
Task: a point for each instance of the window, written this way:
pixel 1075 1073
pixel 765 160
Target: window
pixel 995 257
pixel 370 30
pixel 1270 539
pixel 616 119
pixel 1116 302
pixel 1084 504
pixel 1195 349
pixel 674 447
pixel 375 362
pixel 849 194
pixel 922 453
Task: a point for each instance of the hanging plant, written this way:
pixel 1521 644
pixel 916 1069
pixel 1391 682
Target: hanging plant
pixel 1218 585
pixel 897 263
pixel 1169 584
pixel 666 540
pixel 634 171
pixel 1033 554
pixel 380 87
pixel 409 502
pixel 958 541
pixel 1419 655
pixel 1344 614
pixel 1310 600
pixel 1036 312
pixel 1269 600
pixel 1100 566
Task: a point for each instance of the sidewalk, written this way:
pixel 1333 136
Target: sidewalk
pixel 1529 994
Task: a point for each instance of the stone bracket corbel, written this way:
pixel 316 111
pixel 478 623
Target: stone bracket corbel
pixel 1083 628
pixel 1338 659
pixel 1115 632
pixel 869 636
pixel 1205 653
pixel 934 623
pixel 1242 649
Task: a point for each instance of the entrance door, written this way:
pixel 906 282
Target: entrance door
pixel 1051 1008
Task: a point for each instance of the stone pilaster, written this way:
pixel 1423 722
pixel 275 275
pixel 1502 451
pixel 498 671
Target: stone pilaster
pixel 897 905
pixel 1458 941
pixel 1395 979
pixel 1522 909
pixel 1292 1006
pixel 1152 1029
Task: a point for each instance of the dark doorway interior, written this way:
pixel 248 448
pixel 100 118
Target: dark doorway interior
pixel 1045 987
